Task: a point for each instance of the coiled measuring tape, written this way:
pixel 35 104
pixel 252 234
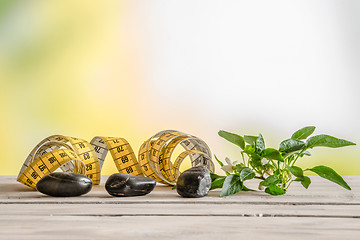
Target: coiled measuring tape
pixel 77 155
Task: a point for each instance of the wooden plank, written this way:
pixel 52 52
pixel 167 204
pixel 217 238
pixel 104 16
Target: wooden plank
pixel 320 192
pixel 181 227
pixel 181 209
pixel 325 211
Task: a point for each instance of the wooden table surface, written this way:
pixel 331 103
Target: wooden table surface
pixel 324 211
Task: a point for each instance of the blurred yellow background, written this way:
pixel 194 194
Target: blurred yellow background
pixel 131 69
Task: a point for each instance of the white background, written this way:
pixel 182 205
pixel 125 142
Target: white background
pixel 250 66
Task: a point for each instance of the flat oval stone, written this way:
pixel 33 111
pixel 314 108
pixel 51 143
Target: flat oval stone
pixel 126 185
pixel 62 184
pixel 194 182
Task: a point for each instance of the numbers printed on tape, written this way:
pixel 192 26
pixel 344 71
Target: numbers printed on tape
pixel 77 155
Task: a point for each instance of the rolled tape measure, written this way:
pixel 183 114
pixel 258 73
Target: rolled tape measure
pixel 71 154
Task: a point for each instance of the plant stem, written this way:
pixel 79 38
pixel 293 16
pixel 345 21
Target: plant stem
pixel 242 155
pixel 303 150
pixel 272 162
pixel 289 184
pixel 259 177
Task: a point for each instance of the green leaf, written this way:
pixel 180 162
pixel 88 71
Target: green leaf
pixel 306 182
pixel 231 185
pixel 233 138
pixel 327 141
pixel 307 153
pixel 291 145
pixel 303 133
pixel 246 189
pixel 272 179
pixel 274 190
pixel 255 160
pixel 214 176
pixel 250 139
pixel 246 174
pixel 259 144
pixel 174 187
pixel 239 167
pixel 296 171
pixel 220 162
pixel 271 153
pixel 329 174
pixel 298 179
pixel 249 149
pixel 261 186
pixel 218 183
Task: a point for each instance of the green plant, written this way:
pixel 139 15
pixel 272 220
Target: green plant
pixel 275 167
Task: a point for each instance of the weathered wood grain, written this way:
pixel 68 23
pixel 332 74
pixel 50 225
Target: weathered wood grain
pixel 181 227
pixel 324 211
pixel 181 209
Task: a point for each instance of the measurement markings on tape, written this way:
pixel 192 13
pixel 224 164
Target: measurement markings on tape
pixel 71 154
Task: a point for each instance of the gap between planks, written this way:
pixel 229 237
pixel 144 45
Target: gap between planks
pixel 179 203
pixel 207 215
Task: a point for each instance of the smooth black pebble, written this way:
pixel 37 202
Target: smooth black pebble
pixel 62 184
pixel 194 182
pixel 126 185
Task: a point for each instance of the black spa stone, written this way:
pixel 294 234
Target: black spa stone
pixel 194 182
pixel 126 185
pixel 62 184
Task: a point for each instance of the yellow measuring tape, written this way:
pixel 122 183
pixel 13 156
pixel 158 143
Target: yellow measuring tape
pixel 77 155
